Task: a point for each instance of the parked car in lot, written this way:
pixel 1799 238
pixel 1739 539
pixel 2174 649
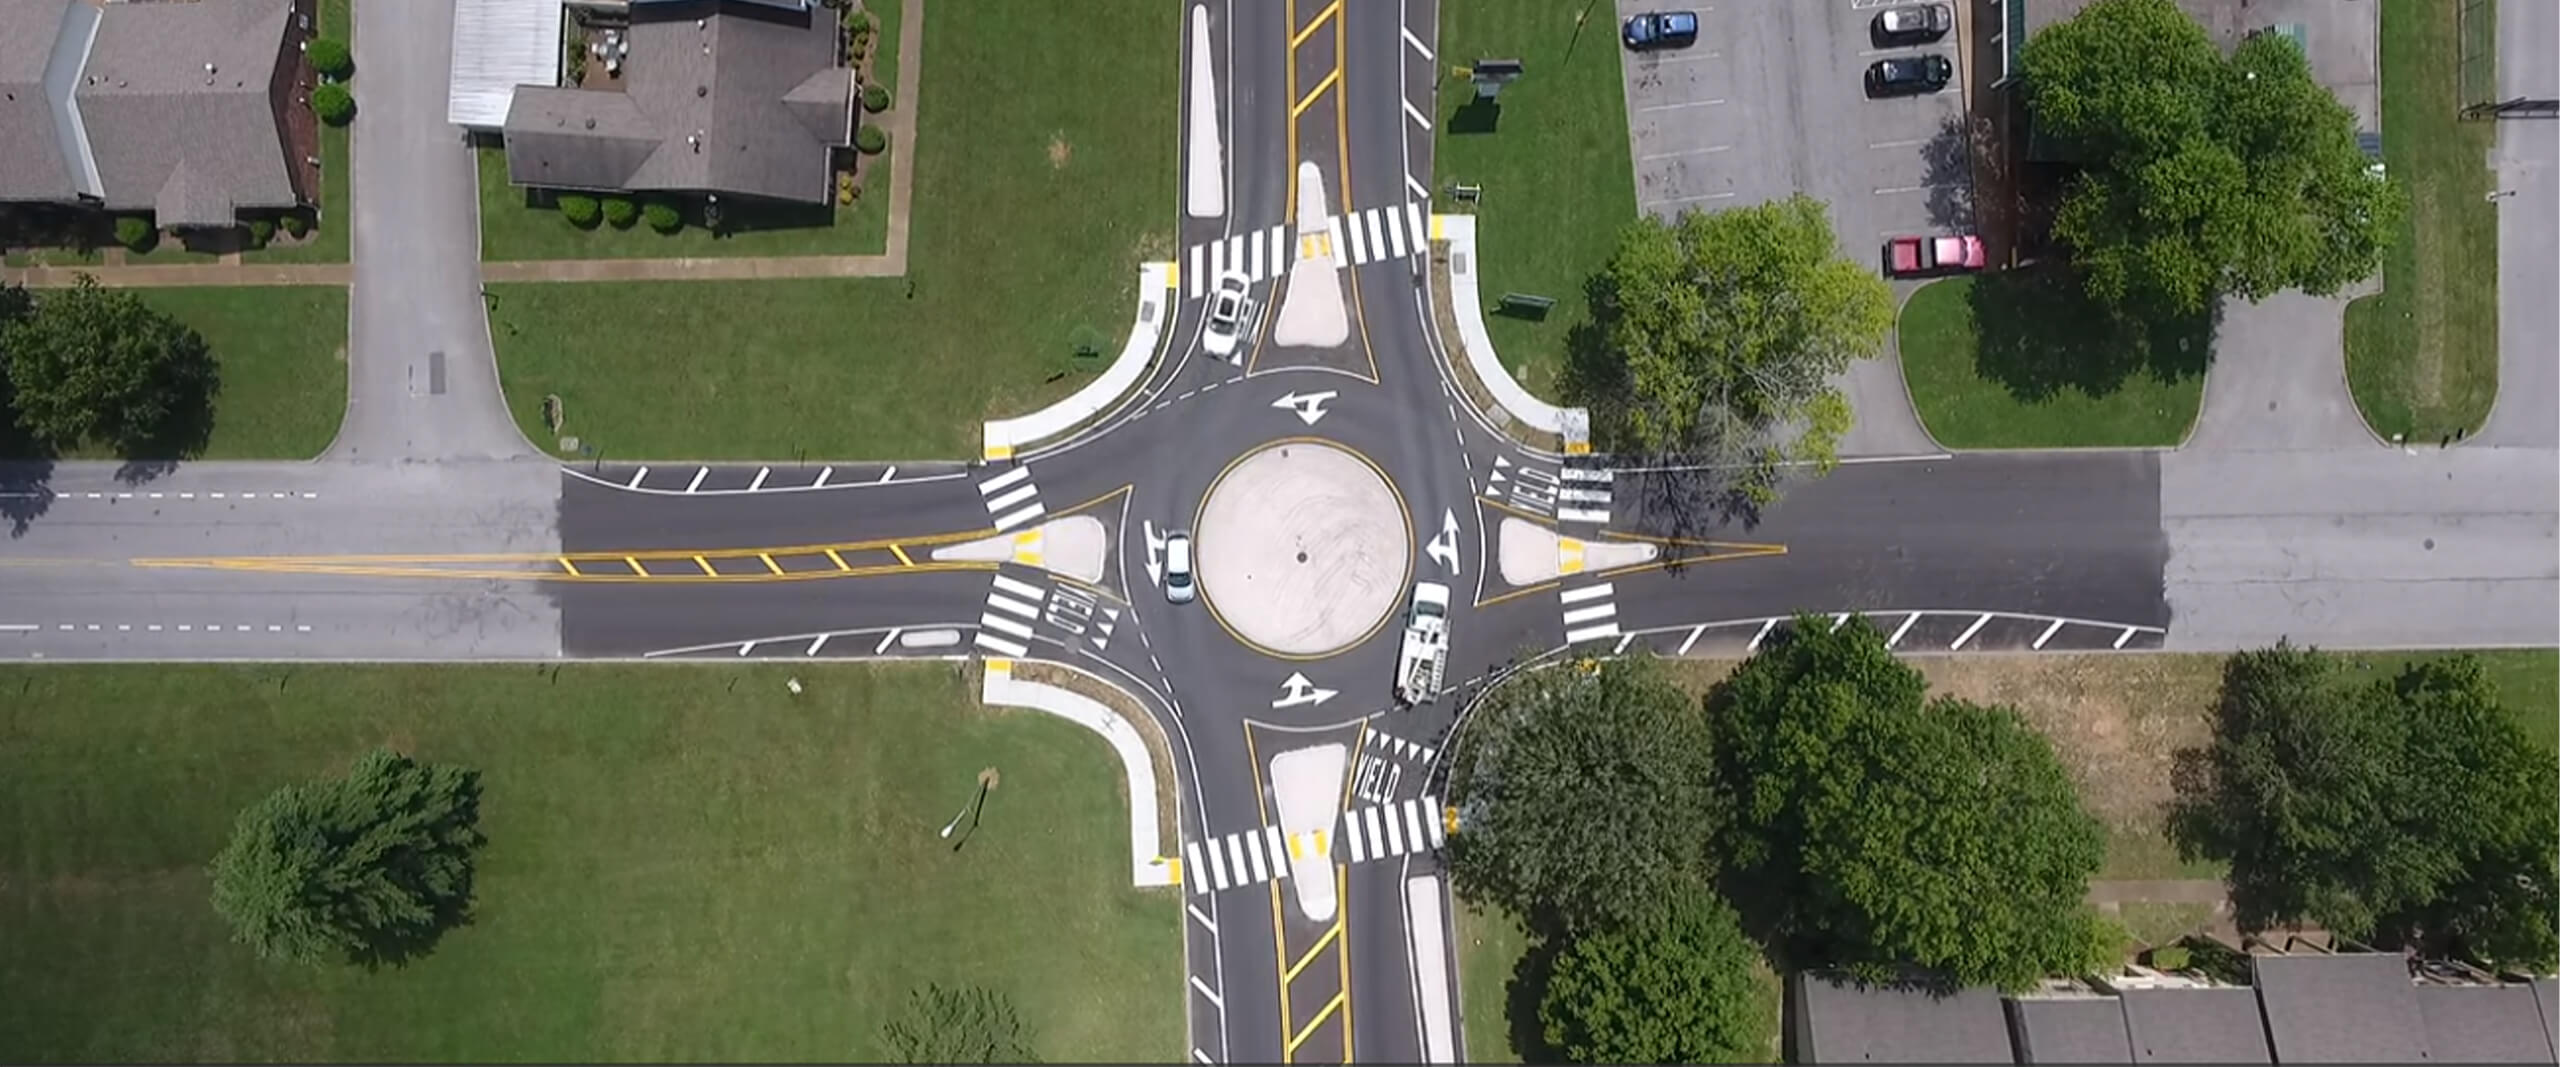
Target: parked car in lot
pixel 1230 312
pixel 1662 29
pixel 1941 254
pixel 1916 24
pixel 1909 75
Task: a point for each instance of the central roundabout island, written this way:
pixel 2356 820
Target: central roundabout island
pixel 1303 548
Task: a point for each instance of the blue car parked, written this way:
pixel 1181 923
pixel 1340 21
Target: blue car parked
pixel 1662 29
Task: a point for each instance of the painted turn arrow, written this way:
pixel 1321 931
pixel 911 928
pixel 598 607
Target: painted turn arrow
pixel 1155 552
pixel 1298 690
pixel 1444 548
pixel 1309 407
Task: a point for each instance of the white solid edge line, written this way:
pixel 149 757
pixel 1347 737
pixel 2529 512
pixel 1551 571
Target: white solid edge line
pixel 989 486
pixel 1576 596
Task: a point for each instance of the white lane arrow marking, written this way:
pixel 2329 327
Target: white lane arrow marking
pixel 1298 690
pixel 1309 407
pixel 1155 552
pixel 1444 548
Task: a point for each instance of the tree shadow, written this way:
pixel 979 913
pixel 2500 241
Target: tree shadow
pixel 1675 495
pixel 399 948
pixel 26 492
pixel 1947 169
pixel 1526 990
pixel 2037 333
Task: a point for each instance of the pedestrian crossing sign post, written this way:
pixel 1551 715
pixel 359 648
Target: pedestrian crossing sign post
pixel 1490 75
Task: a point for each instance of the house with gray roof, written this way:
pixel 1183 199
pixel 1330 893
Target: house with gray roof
pixel 728 97
pixel 2081 1028
pixel 2207 1025
pixel 187 109
pixel 1836 1019
pixel 2354 1007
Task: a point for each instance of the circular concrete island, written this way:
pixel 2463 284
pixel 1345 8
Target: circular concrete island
pixel 1303 548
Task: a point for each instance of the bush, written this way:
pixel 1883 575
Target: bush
pixel 329 56
pixel 295 225
pixel 859 22
pixel 663 216
pixel 621 212
pixel 334 104
pixel 261 231
pixel 871 140
pixel 2170 958
pixel 581 211
pixel 875 98
pixel 136 232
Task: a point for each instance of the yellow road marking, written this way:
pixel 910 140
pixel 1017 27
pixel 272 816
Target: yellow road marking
pixel 1313 951
pixel 1449 818
pixel 1309 100
pixel 769 564
pixel 839 560
pixel 635 566
pixel 1341 887
pixel 901 553
pixel 1314 24
pixel 1541 587
pixel 1523 513
pixel 1568 555
pixel 1301 1037
pixel 1439 228
pixel 705 565
pixel 1173 866
pixel 572 567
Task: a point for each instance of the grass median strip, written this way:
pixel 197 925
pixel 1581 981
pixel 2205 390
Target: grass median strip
pixel 2011 360
pixel 2422 355
pixel 1033 209
pixel 686 862
pixel 1552 161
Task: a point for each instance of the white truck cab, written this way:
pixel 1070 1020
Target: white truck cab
pixel 1423 662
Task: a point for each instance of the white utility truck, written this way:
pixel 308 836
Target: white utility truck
pixel 1425 657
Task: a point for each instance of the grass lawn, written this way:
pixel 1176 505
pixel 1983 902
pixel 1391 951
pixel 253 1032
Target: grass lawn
pixel 518 224
pixel 1033 210
pixel 2422 356
pixel 883 69
pixel 327 241
pixel 284 369
pixel 685 863
pixel 1558 183
pixel 2011 360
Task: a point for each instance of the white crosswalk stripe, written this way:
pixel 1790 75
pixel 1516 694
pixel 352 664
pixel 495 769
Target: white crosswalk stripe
pixel 1589 613
pixel 1252 857
pixel 1369 235
pixel 1011 498
pixel 999 631
pixel 1583 494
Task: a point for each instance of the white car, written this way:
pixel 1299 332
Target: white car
pixel 1230 315
pixel 1178 586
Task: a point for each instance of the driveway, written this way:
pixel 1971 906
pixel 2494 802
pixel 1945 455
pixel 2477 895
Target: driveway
pixel 1772 100
pixel 2278 378
pixel 2528 162
pixel 422 380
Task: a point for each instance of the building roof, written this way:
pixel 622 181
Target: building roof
pixel 2069 1030
pixel 498 45
pixel 1850 1022
pixel 2195 1026
pixel 2546 996
pixel 2484 1024
pixel 167 107
pixel 728 97
pixel 2348 1008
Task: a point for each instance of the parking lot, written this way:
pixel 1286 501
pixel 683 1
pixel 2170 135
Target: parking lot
pixel 1772 99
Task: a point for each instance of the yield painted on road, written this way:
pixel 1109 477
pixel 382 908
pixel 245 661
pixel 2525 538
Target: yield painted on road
pixel 1590 613
pixel 1253 857
pixel 1529 488
pixel 1011 498
pixel 1371 235
pixel 1382 763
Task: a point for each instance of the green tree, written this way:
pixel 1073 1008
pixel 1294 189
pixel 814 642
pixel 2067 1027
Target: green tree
pixel 2205 174
pixel 965 1025
pixel 334 104
pixel 2410 811
pixel 1583 791
pixel 98 365
pixel 1716 338
pixel 371 868
pixel 329 56
pixel 1674 987
pixel 1878 830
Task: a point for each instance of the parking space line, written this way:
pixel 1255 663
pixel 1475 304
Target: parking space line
pixel 1692 199
pixel 1899 189
pixel 1898 144
pixel 1675 107
pixel 1699 58
pixel 1707 151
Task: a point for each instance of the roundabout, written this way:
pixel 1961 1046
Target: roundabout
pixel 1304 548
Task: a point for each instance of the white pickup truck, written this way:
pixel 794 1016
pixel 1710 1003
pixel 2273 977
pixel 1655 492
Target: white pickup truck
pixel 1424 660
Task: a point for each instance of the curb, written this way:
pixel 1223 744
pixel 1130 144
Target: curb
pixel 1004 437
pixel 1148 865
pixel 1571 424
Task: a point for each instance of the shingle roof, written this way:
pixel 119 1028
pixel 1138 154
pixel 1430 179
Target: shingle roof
pixel 2347 1008
pixel 2195 1026
pixel 2484 1024
pixel 2069 1030
pixel 736 98
pixel 2546 996
pixel 42 43
pixel 1846 1022
pixel 170 103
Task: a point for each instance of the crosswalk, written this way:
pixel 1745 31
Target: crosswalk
pixel 1589 613
pixel 1011 498
pixel 1362 237
pixel 1252 857
pixel 1013 605
pixel 1583 494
